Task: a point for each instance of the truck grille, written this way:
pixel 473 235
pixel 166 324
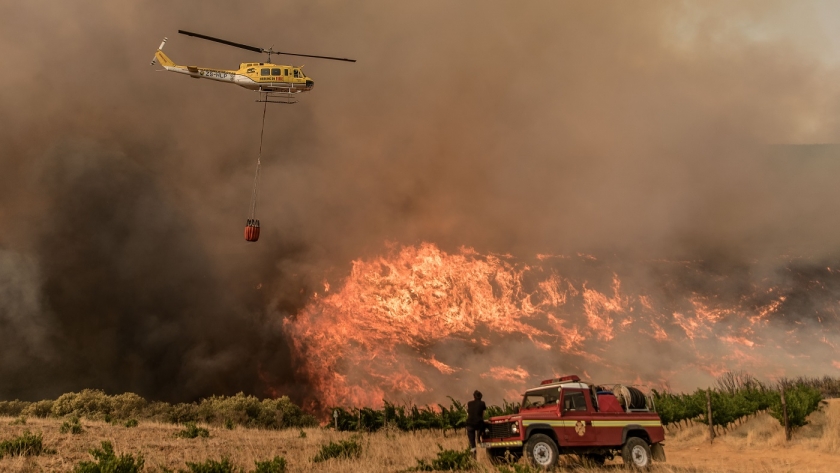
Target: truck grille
pixel 501 430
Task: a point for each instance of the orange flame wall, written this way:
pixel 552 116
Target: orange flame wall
pixel 420 324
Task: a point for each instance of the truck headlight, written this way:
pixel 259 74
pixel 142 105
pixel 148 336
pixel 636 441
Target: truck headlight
pixel 514 428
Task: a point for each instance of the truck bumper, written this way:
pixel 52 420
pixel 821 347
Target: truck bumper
pixel 501 443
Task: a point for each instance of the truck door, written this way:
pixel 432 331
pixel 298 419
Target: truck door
pixel 576 413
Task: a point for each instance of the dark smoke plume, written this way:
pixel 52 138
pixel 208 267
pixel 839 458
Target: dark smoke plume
pixel 642 129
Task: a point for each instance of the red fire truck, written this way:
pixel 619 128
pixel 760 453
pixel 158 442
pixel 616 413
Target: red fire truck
pixel 566 416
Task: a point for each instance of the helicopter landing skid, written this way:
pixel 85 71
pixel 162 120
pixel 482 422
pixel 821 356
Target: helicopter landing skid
pixel 287 97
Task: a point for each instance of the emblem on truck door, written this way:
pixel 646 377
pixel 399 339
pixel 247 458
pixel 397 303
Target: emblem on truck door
pixel 580 427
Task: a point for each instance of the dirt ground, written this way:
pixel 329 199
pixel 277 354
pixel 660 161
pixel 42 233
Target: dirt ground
pixel 755 446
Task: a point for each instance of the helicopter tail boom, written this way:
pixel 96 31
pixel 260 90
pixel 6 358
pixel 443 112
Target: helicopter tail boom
pixel 163 59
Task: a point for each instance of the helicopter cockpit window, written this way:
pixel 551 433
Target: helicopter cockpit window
pixel 297 73
pixel 275 72
pixel 265 72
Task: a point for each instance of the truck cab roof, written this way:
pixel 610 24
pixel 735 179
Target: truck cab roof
pixel 563 384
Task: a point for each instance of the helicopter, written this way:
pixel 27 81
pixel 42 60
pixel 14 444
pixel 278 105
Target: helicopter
pixel 277 83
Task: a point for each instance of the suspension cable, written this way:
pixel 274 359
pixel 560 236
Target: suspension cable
pixel 253 209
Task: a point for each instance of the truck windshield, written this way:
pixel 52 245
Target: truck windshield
pixel 541 398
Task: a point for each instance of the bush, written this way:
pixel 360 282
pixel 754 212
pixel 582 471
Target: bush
pixel 192 431
pixel 801 401
pixel 131 423
pixel 412 417
pixel 23 446
pixel 71 426
pixel 211 466
pixel 95 404
pixel 19 421
pixel 108 462
pixel 280 413
pixel 92 403
pixel 227 411
pixel 448 460
pixel 675 408
pixel 275 465
pixel 12 408
pixel 183 413
pixel 38 409
pixel 343 449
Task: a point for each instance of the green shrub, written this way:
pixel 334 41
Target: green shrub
pixel 211 466
pixel 507 408
pixel 183 413
pixel 95 404
pixel 25 445
pixel 801 401
pixel 448 460
pixel 38 409
pixel 131 423
pixel 302 434
pixel 71 426
pixel 280 413
pixel 127 406
pixel 275 465
pixel 192 431
pixel 21 420
pixel 12 408
pixel 342 449
pixel 108 462
pixel 227 411
pixel 91 403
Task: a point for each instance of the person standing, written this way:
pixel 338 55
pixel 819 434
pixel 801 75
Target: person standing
pixel 475 419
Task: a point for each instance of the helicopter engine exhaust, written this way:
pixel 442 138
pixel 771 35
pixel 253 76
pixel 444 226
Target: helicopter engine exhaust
pixel 160 48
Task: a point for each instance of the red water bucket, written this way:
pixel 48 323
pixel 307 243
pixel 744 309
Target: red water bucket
pixel 252 230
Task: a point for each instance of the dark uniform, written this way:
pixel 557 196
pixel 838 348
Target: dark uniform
pixel 475 420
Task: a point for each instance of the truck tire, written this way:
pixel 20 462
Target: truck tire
pixel 541 451
pixel 503 456
pixel 636 454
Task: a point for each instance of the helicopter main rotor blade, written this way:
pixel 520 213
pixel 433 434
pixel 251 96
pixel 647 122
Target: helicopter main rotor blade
pixel 223 41
pixel 259 50
pixel 309 55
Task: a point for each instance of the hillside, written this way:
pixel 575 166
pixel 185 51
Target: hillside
pixel 757 445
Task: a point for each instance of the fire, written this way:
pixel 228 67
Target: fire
pixel 513 375
pixel 420 324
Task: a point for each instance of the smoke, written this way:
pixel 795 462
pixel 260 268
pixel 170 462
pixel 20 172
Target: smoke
pixel 639 131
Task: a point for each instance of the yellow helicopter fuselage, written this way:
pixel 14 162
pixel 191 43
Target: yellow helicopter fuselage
pixel 258 76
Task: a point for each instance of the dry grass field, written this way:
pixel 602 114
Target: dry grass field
pixel 755 446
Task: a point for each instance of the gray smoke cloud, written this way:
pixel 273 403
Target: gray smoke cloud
pixel 639 129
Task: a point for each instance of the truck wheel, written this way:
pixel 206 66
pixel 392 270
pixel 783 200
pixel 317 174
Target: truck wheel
pixel 541 451
pixel 636 453
pixel 503 456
